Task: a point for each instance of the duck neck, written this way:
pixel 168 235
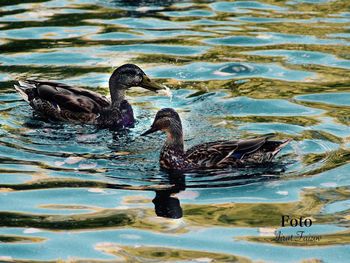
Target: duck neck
pixel 117 96
pixel 117 91
pixel 175 139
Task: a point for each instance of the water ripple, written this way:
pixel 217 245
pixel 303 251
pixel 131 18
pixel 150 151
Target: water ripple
pixel 237 69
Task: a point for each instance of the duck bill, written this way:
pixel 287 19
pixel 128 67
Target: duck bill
pixel 151 130
pixel 149 84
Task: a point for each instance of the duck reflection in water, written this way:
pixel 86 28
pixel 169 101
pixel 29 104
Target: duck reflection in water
pixel 165 203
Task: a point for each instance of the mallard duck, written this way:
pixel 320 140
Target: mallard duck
pixel 210 155
pixel 59 101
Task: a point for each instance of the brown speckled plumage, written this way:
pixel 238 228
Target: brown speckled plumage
pixel 210 155
pixel 62 102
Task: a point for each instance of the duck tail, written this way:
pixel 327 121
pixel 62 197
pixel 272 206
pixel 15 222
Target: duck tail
pixel 280 147
pixel 25 89
pixel 22 93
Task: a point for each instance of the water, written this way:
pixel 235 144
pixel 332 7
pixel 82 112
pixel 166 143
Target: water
pixel 237 69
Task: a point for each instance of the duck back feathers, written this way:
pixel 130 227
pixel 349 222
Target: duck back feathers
pixel 59 101
pixel 234 153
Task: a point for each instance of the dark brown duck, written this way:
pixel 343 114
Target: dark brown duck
pixel 210 155
pixel 62 102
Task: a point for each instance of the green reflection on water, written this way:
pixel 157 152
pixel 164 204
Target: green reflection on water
pixel 167 34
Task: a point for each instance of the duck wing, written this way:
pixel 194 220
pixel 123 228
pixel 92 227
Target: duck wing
pixel 223 153
pixel 211 153
pixel 246 147
pixel 62 96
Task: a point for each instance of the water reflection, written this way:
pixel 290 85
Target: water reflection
pixel 167 205
pixel 238 69
pixel 141 3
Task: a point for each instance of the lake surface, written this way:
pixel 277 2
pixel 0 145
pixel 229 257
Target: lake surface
pixel 237 69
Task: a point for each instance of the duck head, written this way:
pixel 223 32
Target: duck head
pixel 130 75
pixel 127 76
pixel 166 120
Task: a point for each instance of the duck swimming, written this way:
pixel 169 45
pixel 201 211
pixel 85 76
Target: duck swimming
pixel 210 155
pixel 62 102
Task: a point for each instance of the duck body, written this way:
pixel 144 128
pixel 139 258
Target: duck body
pixel 58 101
pixel 222 154
pixel 211 155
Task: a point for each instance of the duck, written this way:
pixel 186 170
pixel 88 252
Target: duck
pixel 209 155
pixel 58 101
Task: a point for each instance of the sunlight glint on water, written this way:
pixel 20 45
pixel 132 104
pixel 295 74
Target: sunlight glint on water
pixel 237 69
